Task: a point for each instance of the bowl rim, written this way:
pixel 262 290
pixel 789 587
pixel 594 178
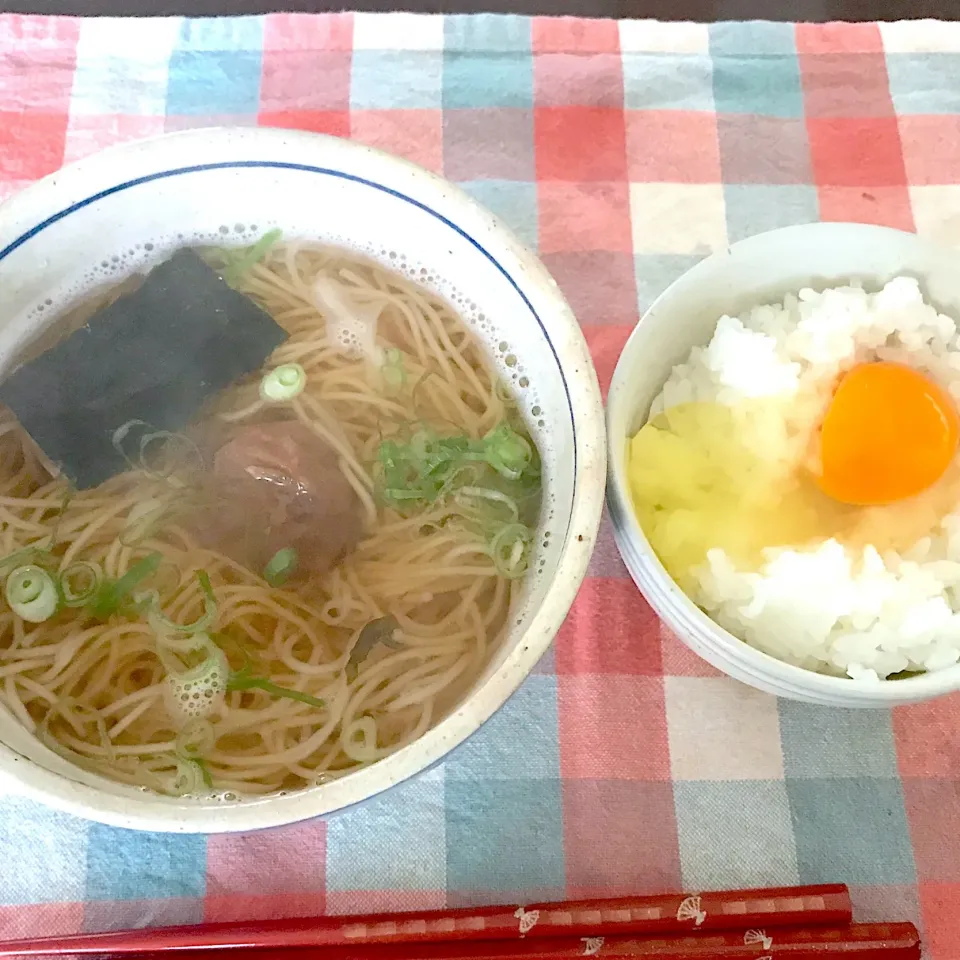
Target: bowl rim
pixel 47 200
pixel 662 592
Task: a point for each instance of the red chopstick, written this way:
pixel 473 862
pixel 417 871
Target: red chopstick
pixel 866 941
pixel 660 915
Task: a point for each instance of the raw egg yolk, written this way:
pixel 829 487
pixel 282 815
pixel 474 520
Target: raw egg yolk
pixel 889 433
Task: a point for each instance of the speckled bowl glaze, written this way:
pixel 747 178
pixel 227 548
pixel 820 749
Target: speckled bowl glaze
pixel 120 210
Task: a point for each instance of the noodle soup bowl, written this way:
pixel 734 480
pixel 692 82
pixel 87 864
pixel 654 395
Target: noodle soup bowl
pixel 120 211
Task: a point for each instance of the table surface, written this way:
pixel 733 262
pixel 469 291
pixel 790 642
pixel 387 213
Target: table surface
pixel 623 152
pixel 699 10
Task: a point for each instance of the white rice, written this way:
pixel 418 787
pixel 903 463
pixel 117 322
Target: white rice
pixel 860 611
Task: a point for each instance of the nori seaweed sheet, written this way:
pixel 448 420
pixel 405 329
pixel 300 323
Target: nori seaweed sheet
pixel 156 354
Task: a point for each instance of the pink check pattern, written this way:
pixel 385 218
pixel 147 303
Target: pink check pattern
pixel 623 152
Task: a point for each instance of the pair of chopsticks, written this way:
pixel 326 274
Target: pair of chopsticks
pixel 800 923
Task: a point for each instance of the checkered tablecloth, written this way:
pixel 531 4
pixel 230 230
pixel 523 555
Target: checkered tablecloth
pixel 623 152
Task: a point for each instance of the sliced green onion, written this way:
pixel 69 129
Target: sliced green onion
pixel 240 263
pixel 191 643
pixel 196 692
pixel 148 437
pixel 393 370
pixel 428 467
pixel 205 773
pixel 79 583
pixel 120 434
pixel 167 437
pixel 21 556
pixel 111 595
pixel 160 622
pixel 382 630
pixel 282 566
pixel 509 550
pixel 243 680
pixel 195 739
pixel 465 495
pixel 32 594
pixel 187 779
pixel 283 383
pixel 507 452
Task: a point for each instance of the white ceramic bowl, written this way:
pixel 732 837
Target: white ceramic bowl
pixel 760 269
pixel 114 212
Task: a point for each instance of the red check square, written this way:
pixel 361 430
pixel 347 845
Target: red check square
pixel 40 920
pixel 334 122
pixel 645 857
pixel 31 144
pixel 584 216
pixel 612 727
pixel 41 80
pixel 574 35
pixel 846 85
pixel 679 660
pixel 933 809
pixel 307 31
pixel 242 907
pixel 600 286
pixel 415 135
pixel 856 152
pixel 838 38
pixel 926 738
pixel 571 79
pixel 286 860
pixel 931 148
pixel 580 143
pixel 672 146
pixel 305 80
pixel 38 59
pixel 886 206
pixel 877 904
pixel 385 901
pixel 941 919
pixel 88 133
pixel 606 343
pixel 610 629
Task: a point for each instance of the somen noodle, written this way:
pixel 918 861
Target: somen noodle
pixel 318 677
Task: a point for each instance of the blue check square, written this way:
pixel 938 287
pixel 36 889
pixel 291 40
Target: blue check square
pixel 487 34
pixel 734 834
pixel 849 743
pixel 501 79
pixel 504 835
pixel 135 865
pixel 851 830
pixel 755 207
pixel 518 742
pixel 396 80
pixel 43 854
pixel 667 81
pixel 768 84
pixel 514 201
pixel 753 37
pixel 394 841
pixel 656 271
pixel 214 82
pixel 924 83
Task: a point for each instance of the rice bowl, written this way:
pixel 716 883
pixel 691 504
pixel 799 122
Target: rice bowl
pixel 813 603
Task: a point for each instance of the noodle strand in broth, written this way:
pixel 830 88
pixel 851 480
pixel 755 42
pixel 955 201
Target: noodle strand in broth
pixel 425 580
